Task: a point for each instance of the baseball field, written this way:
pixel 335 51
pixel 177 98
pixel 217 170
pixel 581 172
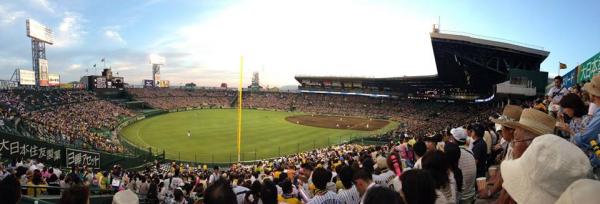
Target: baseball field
pixel 265 134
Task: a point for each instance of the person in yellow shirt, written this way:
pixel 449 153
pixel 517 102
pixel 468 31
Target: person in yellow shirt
pixel 288 195
pixel 36 181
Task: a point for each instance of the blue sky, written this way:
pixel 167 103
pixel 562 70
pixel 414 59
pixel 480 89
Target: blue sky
pixel 202 40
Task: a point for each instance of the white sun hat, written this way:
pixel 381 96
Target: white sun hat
pixel 581 191
pixel 548 166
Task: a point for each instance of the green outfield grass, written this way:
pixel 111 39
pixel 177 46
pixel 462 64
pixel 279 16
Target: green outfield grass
pixel 265 134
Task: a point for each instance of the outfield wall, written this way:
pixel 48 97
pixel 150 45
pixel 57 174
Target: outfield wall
pixel 20 147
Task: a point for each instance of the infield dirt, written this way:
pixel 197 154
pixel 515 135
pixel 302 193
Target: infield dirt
pixel 338 122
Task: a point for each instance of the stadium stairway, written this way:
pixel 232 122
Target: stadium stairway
pixel 234 99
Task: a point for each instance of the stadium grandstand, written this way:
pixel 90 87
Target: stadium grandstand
pixel 468 68
pixel 486 128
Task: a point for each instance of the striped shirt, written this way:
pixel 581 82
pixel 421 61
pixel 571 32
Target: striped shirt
pixel 327 198
pixel 384 178
pixel 468 166
pixel 349 196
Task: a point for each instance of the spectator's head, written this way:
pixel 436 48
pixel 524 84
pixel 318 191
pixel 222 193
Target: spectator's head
pixel 437 164
pixel 306 170
pixel 459 135
pixel 573 106
pixel 178 194
pixel 420 148
pixel 593 88
pixel 345 175
pixel 511 113
pixel 545 170
pixel 418 187
pixel 10 189
pixel 362 179
pixel 476 130
pixel 37 177
pixel 268 193
pixel 558 80
pixel 76 194
pixel 380 194
pixel 219 192
pixel 533 123
pixel 286 187
pixel 320 178
pixel 431 141
pixel 368 165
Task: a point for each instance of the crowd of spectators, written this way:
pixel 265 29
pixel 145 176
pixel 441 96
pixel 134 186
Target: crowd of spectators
pixel 62 116
pixel 180 98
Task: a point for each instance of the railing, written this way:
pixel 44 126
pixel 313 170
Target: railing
pixel 96 196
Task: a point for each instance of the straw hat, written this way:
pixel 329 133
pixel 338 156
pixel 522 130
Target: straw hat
pixel 593 87
pixel 126 196
pixel 580 191
pixel 534 121
pixel 545 170
pixel 510 113
pixel 381 163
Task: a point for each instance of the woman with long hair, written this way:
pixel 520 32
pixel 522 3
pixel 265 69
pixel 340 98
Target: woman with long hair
pixel 445 185
pixel 418 187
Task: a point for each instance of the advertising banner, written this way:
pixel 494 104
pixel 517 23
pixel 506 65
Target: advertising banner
pixel 53 79
pixel 26 77
pixel 148 83
pixel 570 78
pixel 80 158
pixel 163 83
pixel 15 147
pixel 43 64
pixel 589 68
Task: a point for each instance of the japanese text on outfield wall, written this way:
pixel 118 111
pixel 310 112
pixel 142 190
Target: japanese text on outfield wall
pixel 48 154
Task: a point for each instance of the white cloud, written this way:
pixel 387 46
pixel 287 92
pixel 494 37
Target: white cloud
pixel 70 30
pixel 115 36
pixel 7 16
pixel 74 67
pixel 43 5
pixel 280 40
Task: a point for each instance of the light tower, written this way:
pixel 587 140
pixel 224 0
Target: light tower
pixel 156 61
pixel 40 36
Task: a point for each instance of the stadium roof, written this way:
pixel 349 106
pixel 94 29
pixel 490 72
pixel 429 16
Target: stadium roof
pixel 471 38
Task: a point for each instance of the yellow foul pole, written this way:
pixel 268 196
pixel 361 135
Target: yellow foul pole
pixel 239 111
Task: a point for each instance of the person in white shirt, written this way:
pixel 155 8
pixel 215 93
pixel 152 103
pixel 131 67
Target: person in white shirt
pixel 466 164
pixel 348 194
pixel 364 181
pixel 385 174
pixel 320 177
pixel 555 94
pixel 214 176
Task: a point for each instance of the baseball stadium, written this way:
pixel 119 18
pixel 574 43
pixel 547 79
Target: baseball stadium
pixel 492 125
